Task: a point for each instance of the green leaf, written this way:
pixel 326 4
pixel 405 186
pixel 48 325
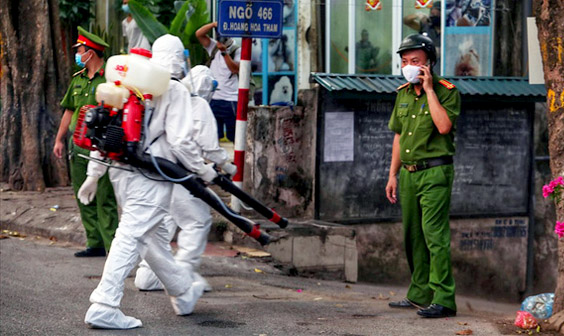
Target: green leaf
pixel 179 20
pixel 199 18
pixel 149 25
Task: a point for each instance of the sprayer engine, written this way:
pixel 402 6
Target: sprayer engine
pixel 114 132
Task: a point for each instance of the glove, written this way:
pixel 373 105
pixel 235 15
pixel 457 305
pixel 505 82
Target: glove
pixel 87 190
pixel 207 173
pixel 229 168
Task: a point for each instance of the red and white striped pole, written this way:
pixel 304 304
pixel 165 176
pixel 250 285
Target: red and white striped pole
pixel 241 123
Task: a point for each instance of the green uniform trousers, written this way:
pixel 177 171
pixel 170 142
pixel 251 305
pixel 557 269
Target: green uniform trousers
pixel 425 204
pixel 100 217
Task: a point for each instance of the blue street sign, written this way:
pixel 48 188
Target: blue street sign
pixel 250 18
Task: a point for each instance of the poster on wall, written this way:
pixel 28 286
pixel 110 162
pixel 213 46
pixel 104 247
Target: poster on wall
pixel 468 13
pixel 281 52
pixel 256 55
pixel 281 90
pixel 289 13
pixel 468 38
pixel 338 142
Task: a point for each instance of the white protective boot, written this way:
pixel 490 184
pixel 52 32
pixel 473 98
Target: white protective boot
pixel 106 317
pixel 184 304
pixel 199 278
pixel 146 279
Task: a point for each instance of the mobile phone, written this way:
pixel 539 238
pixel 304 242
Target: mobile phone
pixel 421 73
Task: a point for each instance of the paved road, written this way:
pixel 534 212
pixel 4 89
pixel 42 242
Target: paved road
pixel 44 290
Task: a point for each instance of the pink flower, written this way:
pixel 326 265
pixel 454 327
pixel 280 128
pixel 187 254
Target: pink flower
pixel 547 189
pixel 559 229
pixel 554 189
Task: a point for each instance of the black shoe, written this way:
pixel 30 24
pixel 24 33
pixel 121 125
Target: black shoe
pixel 436 311
pixel 405 303
pixel 91 252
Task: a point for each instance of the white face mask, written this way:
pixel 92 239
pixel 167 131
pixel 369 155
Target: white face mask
pixel 410 72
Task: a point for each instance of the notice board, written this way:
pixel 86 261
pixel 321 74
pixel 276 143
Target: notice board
pixel 492 161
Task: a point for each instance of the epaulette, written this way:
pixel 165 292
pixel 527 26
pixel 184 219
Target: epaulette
pixel 78 72
pixel 402 86
pixel 447 84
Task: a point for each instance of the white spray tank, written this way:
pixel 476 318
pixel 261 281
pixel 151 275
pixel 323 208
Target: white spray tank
pixel 112 95
pixel 136 72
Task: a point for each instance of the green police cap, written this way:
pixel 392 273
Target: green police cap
pixel 90 40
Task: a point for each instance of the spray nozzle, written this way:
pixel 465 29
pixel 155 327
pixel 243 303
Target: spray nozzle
pixel 188 68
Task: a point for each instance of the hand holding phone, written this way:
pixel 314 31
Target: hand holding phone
pixel 426 76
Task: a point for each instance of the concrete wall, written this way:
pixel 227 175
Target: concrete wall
pixel 280 170
pixel 280 156
pixel 545 261
pixel 488 255
pixel 317 248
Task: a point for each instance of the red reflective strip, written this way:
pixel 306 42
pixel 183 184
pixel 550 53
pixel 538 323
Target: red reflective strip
pixel 246 46
pixel 239 160
pixel 242 108
pixel 255 232
pixel 243 105
pixel 275 217
pixel 83 40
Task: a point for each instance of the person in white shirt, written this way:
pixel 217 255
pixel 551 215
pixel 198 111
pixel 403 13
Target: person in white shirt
pixel 225 56
pixel 131 31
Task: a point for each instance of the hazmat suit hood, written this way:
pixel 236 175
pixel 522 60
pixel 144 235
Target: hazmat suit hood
pixel 204 83
pixel 168 52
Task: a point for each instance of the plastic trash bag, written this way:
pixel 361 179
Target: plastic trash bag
pixel 525 320
pixel 540 306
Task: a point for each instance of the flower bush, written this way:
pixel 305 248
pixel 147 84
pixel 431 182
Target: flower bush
pixel 554 190
pixel 559 229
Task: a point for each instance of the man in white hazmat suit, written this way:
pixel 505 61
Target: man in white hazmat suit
pixel 191 214
pixel 145 203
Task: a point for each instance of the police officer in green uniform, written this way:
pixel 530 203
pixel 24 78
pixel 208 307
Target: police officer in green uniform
pixel 100 218
pixel 423 121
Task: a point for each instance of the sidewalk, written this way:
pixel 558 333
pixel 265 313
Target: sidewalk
pixel 250 297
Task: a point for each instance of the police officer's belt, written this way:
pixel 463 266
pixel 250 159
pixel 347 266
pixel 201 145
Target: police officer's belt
pixel 429 163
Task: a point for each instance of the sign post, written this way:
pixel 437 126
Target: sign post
pixel 247 19
pixel 250 18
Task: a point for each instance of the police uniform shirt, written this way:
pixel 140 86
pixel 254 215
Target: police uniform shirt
pixel 82 91
pixel 411 118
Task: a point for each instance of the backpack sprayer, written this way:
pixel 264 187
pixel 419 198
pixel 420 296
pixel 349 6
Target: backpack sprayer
pixel 116 126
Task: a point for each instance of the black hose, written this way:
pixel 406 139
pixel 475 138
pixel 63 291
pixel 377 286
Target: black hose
pixel 197 188
pixel 226 184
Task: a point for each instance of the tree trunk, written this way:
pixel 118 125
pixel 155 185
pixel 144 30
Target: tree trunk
pixel 550 23
pixel 34 78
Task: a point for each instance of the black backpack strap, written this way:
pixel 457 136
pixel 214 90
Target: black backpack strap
pixel 215 51
pixel 232 54
pixel 212 55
